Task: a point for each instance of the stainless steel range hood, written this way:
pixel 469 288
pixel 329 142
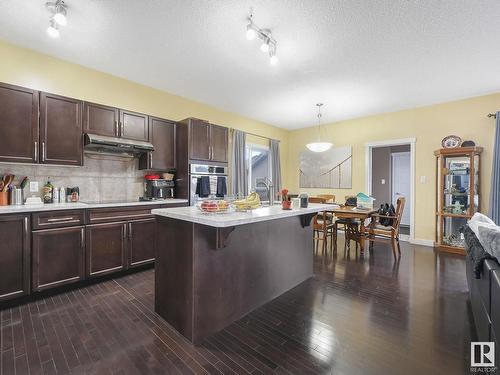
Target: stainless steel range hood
pixel 102 144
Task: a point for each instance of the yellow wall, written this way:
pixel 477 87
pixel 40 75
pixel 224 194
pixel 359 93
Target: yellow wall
pixel 25 67
pixel 465 118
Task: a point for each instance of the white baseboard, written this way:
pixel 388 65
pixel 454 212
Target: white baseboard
pixel 422 242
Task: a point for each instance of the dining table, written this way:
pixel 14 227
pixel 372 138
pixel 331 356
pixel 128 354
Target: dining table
pixel 353 213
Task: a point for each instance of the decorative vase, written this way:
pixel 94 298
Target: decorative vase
pixel 286 205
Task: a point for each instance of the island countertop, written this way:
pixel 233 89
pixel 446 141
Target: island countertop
pixel 231 219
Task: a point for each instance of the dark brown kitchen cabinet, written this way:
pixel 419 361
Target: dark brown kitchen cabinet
pixel 100 119
pixel 18 124
pixel 141 234
pixel 207 141
pixel 15 256
pixel 199 139
pixel 58 257
pixel 162 134
pixel 218 143
pixel 134 126
pixel 106 246
pixel 60 130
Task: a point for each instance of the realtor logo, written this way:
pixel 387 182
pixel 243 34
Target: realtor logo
pixel 482 354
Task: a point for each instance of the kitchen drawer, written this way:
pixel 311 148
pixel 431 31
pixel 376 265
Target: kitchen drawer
pixel 57 219
pixel 107 215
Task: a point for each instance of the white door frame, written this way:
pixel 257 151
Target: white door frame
pixel 392 176
pixel 369 146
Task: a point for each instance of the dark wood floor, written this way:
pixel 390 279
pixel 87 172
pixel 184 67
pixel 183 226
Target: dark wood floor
pixel 356 316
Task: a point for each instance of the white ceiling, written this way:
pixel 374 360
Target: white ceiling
pixel 359 57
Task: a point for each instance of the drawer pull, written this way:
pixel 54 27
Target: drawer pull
pixel 51 220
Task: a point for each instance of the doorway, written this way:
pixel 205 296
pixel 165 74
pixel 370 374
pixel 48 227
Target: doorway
pixel 390 174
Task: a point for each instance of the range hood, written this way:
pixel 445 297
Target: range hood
pixel 102 144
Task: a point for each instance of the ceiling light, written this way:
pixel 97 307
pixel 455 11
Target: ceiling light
pixel 264 47
pixel 319 146
pixel 273 60
pixel 52 30
pixel 60 17
pixel 251 33
pixel 268 42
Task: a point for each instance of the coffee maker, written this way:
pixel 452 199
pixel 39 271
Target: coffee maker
pixel 158 189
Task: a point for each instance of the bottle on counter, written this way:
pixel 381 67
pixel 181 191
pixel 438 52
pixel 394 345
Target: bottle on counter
pixel 47 192
pixel 55 195
pixel 62 195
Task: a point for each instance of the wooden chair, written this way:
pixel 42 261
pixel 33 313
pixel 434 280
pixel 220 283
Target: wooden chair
pixel 377 232
pixel 322 226
pixel 350 227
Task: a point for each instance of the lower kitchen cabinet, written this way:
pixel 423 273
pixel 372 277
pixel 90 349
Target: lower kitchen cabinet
pixel 58 257
pixel 15 256
pixel 141 234
pixel 106 246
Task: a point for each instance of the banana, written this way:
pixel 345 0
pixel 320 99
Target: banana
pixel 250 202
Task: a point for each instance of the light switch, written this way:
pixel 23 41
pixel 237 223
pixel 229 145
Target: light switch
pixel 33 186
pixel 382 181
pixel 423 179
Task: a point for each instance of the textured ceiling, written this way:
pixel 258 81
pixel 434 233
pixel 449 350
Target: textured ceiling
pixel 359 57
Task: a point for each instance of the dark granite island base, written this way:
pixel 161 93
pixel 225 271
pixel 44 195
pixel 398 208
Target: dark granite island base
pixel 206 277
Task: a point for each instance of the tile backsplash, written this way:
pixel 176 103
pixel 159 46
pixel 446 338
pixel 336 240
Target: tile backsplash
pixel 103 177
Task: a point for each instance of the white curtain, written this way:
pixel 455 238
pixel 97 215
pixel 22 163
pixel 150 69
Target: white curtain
pixel 239 181
pixel 274 148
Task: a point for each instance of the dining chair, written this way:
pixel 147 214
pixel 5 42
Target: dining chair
pixel 349 226
pixel 376 232
pixel 323 226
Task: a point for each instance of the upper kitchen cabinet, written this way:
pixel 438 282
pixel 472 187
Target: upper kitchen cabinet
pixel 100 119
pixel 18 124
pixel 60 130
pixel 163 137
pixel 134 126
pixel 113 122
pixel 199 139
pixel 207 141
pixel 218 143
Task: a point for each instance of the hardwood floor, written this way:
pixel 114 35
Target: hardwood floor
pixel 355 316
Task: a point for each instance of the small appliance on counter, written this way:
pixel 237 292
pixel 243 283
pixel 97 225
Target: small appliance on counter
pixel 157 188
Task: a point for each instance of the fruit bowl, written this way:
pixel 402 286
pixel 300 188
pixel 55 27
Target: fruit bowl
pixel 214 207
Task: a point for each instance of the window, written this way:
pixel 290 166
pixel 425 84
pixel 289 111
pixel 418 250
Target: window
pixel 259 167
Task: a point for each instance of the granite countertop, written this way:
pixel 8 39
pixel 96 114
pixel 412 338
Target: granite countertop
pixel 194 215
pixel 82 205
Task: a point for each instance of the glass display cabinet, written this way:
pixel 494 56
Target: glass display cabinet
pixel 457 194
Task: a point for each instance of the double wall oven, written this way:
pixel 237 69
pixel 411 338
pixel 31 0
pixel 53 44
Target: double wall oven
pixel 207 182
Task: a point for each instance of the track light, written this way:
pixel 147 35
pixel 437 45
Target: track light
pixel 251 33
pixel 268 42
pixel 264 47
pixel 58 10
pixel 52 30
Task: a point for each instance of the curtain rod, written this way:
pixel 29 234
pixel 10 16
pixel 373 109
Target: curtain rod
pixel 492 115
pixel 255 135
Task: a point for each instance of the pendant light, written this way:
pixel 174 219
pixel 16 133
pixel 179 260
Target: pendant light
pixel 319 146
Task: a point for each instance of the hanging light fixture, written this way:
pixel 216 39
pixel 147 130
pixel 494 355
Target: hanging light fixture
pixel 319 146
pixel 58 10
pixel 268 42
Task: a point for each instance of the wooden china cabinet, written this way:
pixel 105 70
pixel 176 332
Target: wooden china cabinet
pixel 457 194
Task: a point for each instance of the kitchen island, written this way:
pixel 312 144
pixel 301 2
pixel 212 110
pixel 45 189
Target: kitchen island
pixel 212 269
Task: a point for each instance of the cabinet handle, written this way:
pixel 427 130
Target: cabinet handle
pixel 124 231
pixel 26 225
pixel 36 151
pixel 129 231
pixel 82 238
pixel 122 128
pixel 150 159
pixel 56 219
pixel 43 151
pixel 116 128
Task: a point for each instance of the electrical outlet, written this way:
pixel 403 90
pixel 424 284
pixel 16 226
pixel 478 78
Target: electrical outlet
pixel 423 179
pixel 34 187
pixel 382 181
